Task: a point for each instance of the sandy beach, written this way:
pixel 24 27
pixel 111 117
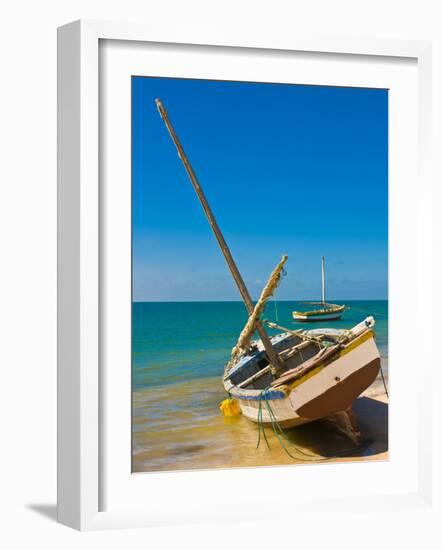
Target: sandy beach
pixel 192 434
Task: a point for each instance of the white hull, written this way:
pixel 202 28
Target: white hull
pixel 312 318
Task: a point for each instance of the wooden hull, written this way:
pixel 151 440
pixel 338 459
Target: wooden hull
pixel 324 391
pixel 317 318
pixel 327 314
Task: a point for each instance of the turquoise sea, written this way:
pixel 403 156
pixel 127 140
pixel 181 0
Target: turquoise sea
pixel 179 350
pixel 178 341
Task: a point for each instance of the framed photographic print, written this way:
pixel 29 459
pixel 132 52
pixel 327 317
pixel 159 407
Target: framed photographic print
pixel 238 269
pixel 185 319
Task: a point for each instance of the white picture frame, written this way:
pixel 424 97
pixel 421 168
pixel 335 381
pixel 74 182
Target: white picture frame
pixel 80 410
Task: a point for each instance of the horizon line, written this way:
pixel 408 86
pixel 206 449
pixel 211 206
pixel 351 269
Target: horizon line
pixel 241 301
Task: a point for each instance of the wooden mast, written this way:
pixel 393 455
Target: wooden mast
pixel 274 359
pixel 323 294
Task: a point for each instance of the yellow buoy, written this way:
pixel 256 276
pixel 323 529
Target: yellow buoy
pixel 230 407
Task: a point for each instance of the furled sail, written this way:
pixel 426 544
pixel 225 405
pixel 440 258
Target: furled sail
pixel 245 336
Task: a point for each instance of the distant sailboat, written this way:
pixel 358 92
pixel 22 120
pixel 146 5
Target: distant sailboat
pixel 328 312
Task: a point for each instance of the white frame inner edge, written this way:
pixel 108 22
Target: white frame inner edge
pixel 95 487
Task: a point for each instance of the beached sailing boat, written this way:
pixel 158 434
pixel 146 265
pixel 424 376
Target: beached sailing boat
pixel 327 312
pixel 300 376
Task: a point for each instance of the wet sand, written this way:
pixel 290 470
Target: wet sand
pixel 179 427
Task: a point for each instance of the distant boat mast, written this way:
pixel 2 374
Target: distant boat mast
pixel 323 293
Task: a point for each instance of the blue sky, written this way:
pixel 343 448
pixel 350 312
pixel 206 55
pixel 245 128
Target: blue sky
pixel 287 169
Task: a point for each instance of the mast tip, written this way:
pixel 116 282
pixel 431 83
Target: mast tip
pixel 159 104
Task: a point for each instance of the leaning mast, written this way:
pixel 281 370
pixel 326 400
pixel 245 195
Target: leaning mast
pixel 273 356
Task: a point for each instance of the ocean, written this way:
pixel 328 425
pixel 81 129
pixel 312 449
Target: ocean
pixel 179 350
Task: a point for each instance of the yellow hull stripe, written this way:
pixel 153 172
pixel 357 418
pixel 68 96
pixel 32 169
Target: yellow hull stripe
pixel 308 375
pixel 357 342
pixel 354 344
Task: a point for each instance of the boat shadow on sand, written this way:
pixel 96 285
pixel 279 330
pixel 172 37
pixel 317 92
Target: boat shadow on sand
pixel 325 437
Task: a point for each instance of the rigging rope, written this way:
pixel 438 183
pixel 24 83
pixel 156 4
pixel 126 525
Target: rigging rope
pixel 299 332
pixel 276 312
pixel 384 383
pixel 367 312
pixel 283 274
